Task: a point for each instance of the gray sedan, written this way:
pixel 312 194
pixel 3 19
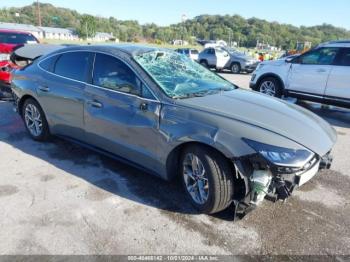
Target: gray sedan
pixel 164 113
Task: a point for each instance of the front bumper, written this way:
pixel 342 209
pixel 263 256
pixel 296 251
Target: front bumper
pixel 252 86
pixel 249 67
pixel 270 182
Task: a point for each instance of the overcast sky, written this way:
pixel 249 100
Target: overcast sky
pixel 165 12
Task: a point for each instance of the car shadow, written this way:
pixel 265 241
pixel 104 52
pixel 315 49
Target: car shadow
pixel 115 177
pixel 103 172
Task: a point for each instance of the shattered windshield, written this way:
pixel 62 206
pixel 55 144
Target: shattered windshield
pixel 179 76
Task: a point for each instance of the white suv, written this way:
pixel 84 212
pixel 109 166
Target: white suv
pixel 320 75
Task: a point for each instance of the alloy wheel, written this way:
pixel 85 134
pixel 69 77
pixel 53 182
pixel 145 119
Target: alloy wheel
pixel 268 88
pixel 33 120
pixel 196 180
pixel 235 68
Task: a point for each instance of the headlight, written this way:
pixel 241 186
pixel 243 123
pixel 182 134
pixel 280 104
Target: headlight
pixel 281 156
pixel 4 57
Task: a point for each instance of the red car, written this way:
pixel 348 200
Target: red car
pixel 9 40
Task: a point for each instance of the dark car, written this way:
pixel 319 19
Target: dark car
pixel 167 114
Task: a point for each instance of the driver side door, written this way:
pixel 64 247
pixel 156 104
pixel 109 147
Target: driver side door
pixel 309 73
pixel 121 114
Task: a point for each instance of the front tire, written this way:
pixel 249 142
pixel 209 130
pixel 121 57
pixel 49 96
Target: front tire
pixel 204 63
pixel 270 86
pixel 35 120
pixel 207 179
pixel 235 68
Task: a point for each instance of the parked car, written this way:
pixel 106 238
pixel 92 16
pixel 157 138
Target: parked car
pixel 189 52
pixel 170 116
pixel 320 75
pixel 226 58
pixel 9 40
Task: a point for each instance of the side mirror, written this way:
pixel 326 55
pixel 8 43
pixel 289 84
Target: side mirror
pixel 293 60
pixel 289 59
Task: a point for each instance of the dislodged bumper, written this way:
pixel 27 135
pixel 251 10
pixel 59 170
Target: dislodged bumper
pixel 262 180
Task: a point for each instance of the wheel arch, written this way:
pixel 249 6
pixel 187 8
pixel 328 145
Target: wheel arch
pixel 173 170
pixel 173 159
pixel 22 100
pixel 262 77
pixel 235 62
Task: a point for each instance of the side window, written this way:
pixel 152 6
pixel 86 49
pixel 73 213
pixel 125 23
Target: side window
pixel 344 59
pixel 322 56
pixel 74 65
pixel 111 73
pixel 49 63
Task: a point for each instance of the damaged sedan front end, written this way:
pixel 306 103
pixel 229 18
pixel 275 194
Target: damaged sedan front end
pixel 274 172
pixel 168 115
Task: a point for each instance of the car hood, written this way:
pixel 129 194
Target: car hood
pixel 285 119
pixel 277 62
pixel 242 56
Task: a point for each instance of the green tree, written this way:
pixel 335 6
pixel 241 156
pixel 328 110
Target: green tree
pixel 87 26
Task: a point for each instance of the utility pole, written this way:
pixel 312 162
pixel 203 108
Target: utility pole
pixel 86 30
pixel 38 11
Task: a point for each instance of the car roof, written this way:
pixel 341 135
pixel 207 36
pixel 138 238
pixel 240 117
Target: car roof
pixel 14 31
pixel 337 43
pixel 129 49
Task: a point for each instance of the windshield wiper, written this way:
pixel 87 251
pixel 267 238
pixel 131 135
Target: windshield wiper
pixel 203 93
pixel 197 94
pixel 189 95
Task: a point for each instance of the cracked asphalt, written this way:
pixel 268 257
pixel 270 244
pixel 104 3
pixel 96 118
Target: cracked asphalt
pixel 59 198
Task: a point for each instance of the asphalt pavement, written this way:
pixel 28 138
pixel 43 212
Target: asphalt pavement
pixel 59 198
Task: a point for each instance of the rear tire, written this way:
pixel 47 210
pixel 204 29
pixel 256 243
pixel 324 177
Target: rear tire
pixel 210 191
pixel 35 120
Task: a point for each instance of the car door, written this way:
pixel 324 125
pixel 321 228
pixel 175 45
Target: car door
pixel 338 85
pixel 309 73
pixel 211 57
pixel 61 92
pixel 121 114
pixel 222 58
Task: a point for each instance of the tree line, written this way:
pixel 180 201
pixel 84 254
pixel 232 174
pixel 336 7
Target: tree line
pixel 246 32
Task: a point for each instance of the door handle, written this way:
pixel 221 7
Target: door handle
pixel 95 104
pixel 44 88
pixel 144 107
pixel 321 70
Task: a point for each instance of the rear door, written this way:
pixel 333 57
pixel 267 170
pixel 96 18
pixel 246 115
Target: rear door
pixel 309 74
pixel 61 91
pixel 121 114
pixel 211 57
pixel 338 85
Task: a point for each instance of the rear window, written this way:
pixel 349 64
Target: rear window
pixel 49 63
pixel 194 52
pixel 345 57
pixel 17 38
pixel 73 65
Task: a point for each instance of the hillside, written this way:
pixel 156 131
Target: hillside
pixel 236 28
